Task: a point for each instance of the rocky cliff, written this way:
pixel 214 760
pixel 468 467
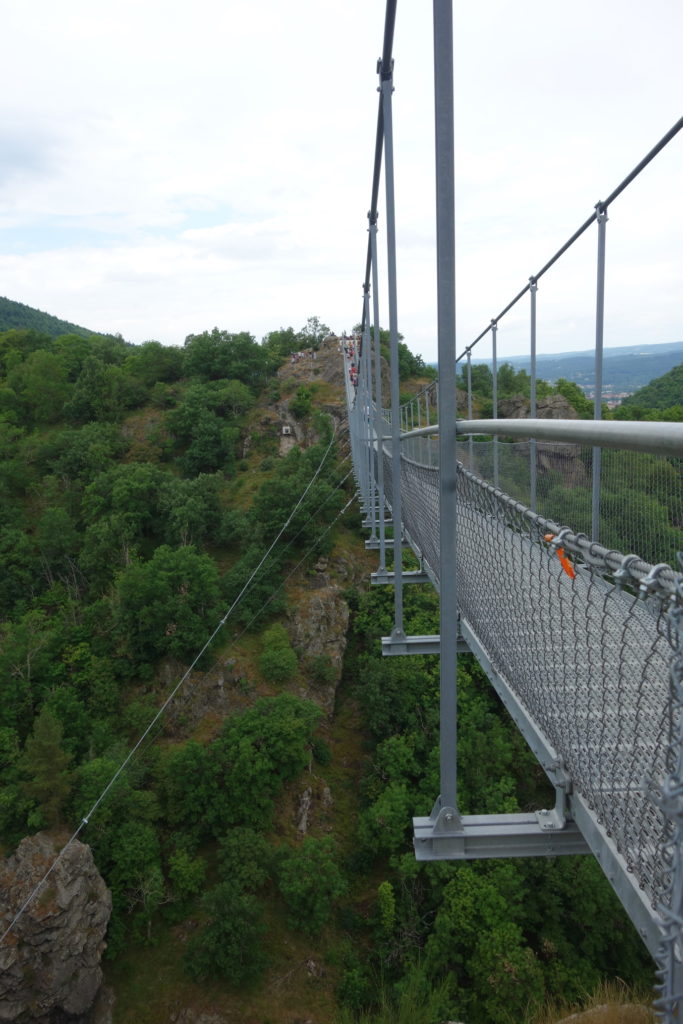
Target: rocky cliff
pixel 50 962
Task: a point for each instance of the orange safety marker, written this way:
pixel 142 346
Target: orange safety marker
pixel 564 561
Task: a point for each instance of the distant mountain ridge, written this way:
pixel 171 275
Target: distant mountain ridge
pixel 17 316
pixel 625 368
pixel 661 393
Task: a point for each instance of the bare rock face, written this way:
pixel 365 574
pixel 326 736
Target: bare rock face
pixel 50 962
pixel 551 407
pixel 318 622
pixel 305 801
pixel 551 456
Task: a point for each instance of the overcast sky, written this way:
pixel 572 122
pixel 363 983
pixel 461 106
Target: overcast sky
pixel 168 167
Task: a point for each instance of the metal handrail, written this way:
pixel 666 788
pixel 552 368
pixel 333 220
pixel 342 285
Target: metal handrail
pixel 654 438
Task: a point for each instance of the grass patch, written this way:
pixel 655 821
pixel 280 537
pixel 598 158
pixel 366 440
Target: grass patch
pixel 613 1002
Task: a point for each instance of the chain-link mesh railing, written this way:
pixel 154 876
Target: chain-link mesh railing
pixel 585 640
pixel 641 497
pixel 669 796
pixel 588 659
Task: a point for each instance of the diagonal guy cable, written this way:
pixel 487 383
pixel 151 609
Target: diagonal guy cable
pixel 131 754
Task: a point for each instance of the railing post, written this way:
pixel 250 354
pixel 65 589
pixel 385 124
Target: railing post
pixel 469 407
pixel 597 401
pixel 387 88
pixel 494 370
pixel 379 426
pixel 445 812
pixel 533 288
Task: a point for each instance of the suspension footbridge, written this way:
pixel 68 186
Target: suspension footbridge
pixel 581 637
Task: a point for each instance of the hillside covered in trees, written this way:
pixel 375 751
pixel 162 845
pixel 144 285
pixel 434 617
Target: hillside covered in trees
pixel 17 316
pixel 661 399
pixel 156 503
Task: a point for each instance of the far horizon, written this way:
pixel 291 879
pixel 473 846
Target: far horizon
pixel 670 345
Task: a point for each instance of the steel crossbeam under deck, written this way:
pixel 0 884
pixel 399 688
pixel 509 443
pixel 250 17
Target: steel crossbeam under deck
pixel 417 645
pixel 484 836
pixel 411 576
pixel 373 544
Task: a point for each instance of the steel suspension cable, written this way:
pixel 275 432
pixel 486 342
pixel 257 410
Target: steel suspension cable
pixel 384 67
pixel 133 751
pixel 599 208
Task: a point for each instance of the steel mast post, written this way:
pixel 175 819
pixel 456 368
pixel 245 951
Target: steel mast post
pixel 387 88
pixel 445 818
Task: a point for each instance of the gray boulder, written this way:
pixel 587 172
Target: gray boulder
pixel 50 961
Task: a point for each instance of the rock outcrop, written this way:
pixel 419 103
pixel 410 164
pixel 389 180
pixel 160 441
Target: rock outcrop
pixel 318 622
pixel 50 962
pixel 550 407
pixel 551 456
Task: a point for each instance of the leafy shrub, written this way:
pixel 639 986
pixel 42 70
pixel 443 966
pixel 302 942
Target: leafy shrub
pixel 230 943
pixel 310 881
pixel 321 751
pixel 302 403
pixel 322 670
pixel 278 662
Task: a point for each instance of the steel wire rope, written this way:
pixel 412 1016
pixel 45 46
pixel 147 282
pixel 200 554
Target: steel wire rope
pixel 384 67
pixel 312 547
pixel 245 629
pixel 599 208
pixel 132 752
pixel 301 530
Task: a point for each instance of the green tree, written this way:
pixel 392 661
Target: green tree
pixel 29 666
pixel 191 508
pixel 41 383
pixel 45 764
pixel 245 857
pixel 576 398
pixel 310 883
pixel 81 454
pixel 302 403
pixel 230 943
pixel 201 425
pixel 58 542
pixel 101 392
pixel 167 605
pixel 216 354
pixel 152 362
pixel 17 344
pixel 278 662
pixel 235 780
pixel 19 568
pixel 282 343
pixel 186 874
pixel 313 332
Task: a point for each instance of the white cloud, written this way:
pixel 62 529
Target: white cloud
pixel 217 157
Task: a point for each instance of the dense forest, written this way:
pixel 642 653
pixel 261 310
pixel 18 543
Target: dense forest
pixel 146 497
pixel 15 315
pixel 661 399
